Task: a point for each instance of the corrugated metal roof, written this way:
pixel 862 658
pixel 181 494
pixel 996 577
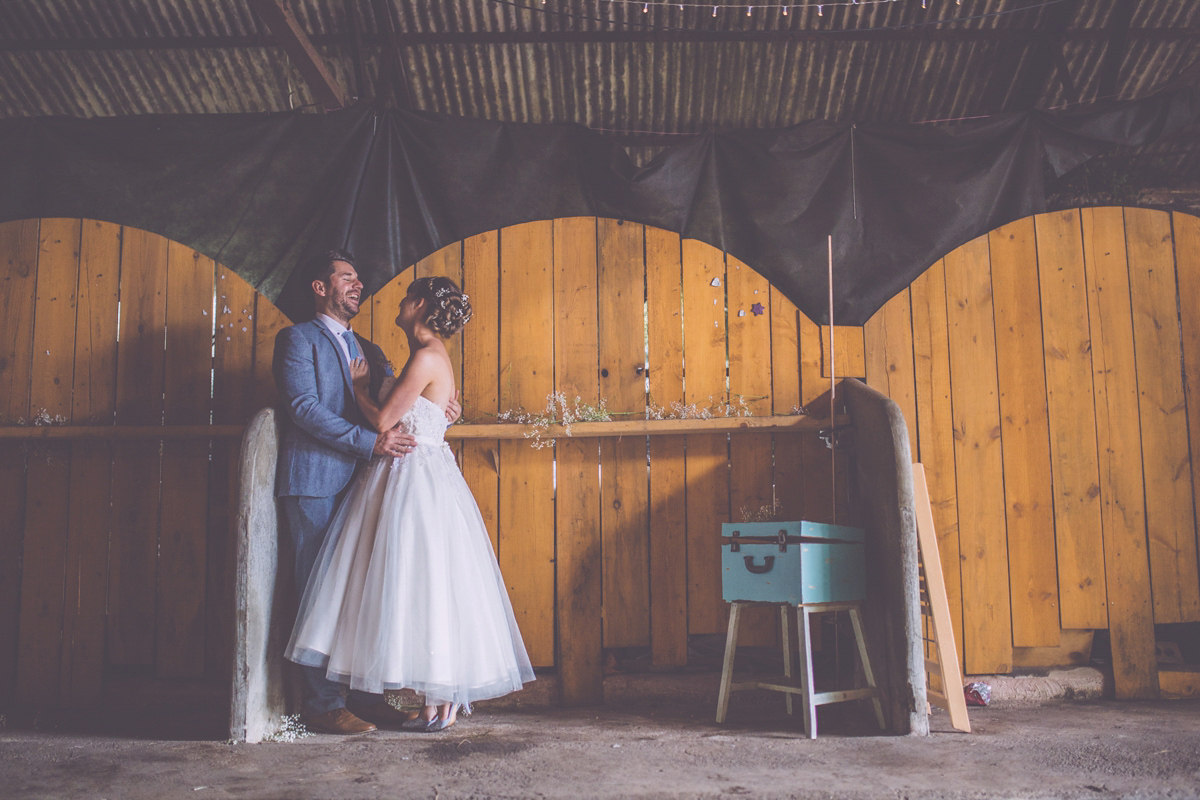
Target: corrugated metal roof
pixel 600 63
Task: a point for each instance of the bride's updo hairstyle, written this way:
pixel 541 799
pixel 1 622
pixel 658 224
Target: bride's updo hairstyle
pixel 448 307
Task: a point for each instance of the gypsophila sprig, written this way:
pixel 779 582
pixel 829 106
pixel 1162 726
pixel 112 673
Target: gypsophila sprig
pixel 764 513
pixel 558 411
pixel 290 729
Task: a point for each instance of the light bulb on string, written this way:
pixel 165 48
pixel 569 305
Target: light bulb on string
pixel 714 11
pixel 748 10
pixel 785 8
pixel 820 11
pixel 646 8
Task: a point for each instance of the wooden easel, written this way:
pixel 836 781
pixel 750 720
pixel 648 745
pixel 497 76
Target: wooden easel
pixel 936 607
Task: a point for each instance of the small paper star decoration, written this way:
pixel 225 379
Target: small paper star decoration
pixel 757 309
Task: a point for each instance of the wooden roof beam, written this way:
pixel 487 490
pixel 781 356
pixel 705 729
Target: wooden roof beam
pixel 1118 41
pixel 287 33
pixel 423 39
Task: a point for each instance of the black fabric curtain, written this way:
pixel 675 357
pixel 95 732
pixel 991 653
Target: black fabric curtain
pixel 265 194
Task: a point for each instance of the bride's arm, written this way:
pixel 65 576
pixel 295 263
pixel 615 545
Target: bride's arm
pixel 414 378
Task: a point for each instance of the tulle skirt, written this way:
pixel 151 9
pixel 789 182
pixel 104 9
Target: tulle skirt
pixel 406 592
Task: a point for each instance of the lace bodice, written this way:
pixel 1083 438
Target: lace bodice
pixel 425 420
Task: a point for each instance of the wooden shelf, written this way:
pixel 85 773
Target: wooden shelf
pixel 580 430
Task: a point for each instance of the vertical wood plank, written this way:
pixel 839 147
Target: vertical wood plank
pixel 136 480
pixel 93 403
pixel 1126 563
pixel 1029 502
pixel 818 486
pixel 183 539
pixel 785 399
pixel 935 427
pixel 750 457
pixel 1187 266
pixel 242 384
pixel 704 349
pixel 445 263
pixel 887 338
pixel 481 354
pixel 268 322
pixel 668 506
pixel 526 507
pixel 623 487
pixel 1166 461
pixel 986 621
pixel 384 306
pixel 18 276
pixel 578 563
pixel 1072 421
pixel 44 556
pixel 849 352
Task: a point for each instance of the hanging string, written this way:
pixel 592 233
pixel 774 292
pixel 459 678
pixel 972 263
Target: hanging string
pixel 853 178
pixel 832 390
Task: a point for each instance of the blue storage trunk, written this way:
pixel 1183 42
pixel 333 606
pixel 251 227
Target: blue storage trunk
pixel 792 562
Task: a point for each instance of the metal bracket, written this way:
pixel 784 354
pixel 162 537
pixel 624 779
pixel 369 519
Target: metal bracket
pixel 839 437
pixel 734 545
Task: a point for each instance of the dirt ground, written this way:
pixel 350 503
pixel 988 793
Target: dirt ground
pixel 1098 749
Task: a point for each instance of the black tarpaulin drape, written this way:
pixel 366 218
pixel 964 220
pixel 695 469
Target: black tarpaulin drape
pixel 264 193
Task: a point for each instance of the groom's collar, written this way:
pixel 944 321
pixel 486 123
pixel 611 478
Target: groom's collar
pixel 335 326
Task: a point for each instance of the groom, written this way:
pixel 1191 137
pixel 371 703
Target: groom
pixel 327 440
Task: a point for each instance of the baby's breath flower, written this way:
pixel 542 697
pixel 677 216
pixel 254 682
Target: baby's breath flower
pixel 290 729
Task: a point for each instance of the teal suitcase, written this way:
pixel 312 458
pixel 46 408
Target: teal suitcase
pixel 792 562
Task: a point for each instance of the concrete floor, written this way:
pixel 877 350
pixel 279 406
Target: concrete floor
pixel 653 748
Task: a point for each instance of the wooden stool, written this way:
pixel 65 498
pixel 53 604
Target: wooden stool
pixel 809 696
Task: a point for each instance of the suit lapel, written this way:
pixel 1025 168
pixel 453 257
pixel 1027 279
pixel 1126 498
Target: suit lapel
pixel 337 352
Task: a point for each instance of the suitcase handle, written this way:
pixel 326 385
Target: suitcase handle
pixel 768 562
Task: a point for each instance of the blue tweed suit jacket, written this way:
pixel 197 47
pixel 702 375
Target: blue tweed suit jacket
pixel 328 436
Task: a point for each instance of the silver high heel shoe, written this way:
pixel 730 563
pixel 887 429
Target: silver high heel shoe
pixel 418 724
pixel 440 724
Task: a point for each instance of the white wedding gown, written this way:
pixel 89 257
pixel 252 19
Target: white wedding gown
pixel 406 592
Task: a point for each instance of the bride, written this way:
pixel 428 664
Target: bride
pixel 406 592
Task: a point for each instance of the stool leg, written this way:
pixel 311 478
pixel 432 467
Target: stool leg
pixel 787 651
pixel 868 673
pixel 727 667
pixel 806 671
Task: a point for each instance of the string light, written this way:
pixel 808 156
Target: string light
pixel 784 7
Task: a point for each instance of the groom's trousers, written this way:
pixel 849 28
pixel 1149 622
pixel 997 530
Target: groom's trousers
pixel 308 520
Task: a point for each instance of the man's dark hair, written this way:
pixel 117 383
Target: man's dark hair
pixel 323 271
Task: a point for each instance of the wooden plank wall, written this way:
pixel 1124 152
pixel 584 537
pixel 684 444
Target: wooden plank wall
pixel 1039 368
pixel 117 556
pixel 1055 413
pixel 126 546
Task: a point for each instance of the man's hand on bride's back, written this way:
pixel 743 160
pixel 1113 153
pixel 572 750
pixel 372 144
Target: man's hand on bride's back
pixel 453 409
pixel 394 443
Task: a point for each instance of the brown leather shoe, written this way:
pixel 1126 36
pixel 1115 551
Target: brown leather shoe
pixel 385 715
pixel 338 721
